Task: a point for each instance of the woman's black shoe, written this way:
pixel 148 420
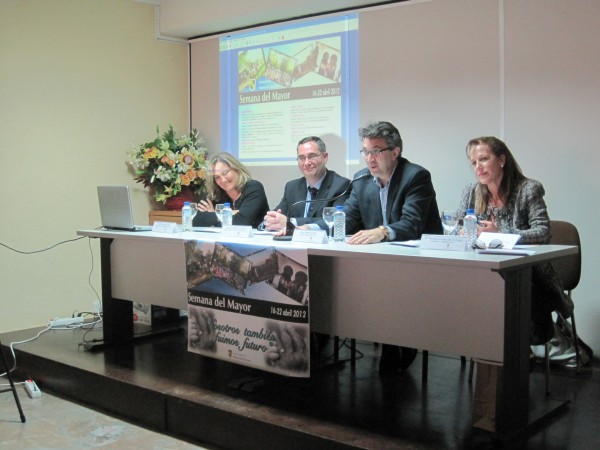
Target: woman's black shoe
pixel 395 359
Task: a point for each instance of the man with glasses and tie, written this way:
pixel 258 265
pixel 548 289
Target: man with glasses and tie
pixel 317 182
pixel 397 202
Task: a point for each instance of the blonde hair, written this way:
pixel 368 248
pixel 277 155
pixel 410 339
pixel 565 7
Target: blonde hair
pixel 215 193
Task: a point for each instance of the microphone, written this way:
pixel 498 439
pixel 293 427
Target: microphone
pixel 289 226
pixel 330 199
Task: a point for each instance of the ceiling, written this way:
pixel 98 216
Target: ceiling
pixel 186 19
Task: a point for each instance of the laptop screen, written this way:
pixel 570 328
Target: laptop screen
pixel 115 208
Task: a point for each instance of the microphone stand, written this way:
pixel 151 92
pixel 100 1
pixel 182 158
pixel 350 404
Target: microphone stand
pixel 289 226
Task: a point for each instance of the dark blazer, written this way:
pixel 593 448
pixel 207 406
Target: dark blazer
pixel 295 190
pixel 411 208
pixel 252 206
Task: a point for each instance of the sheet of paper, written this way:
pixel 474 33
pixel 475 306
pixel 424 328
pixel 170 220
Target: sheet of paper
pixel 413 243
pixel 207 229
pixel 506 251
pixel 264 233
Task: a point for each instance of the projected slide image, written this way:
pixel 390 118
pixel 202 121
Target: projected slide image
pixel 330 62
pixel 280 67
pixel 308 56
pixel 281 84
pixel 317 62
pixel 286 65
pixel 251 66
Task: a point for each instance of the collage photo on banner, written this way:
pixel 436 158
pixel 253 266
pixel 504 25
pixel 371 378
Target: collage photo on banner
pixel 249 304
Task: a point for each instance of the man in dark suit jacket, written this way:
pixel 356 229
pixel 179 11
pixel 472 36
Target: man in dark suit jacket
pixel 401 190
pixel 312 161
pixel 396 202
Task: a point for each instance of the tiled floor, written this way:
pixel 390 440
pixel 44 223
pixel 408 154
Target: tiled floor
pixel 54 423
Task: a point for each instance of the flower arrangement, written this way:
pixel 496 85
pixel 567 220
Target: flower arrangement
pixel 168 163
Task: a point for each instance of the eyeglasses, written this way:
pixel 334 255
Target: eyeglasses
pixel 310 157
pixel 494 243
pixel 375 153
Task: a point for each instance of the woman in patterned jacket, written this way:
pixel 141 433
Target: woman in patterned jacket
pixel 506 201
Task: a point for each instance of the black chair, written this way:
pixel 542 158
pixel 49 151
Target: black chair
pixel 12 384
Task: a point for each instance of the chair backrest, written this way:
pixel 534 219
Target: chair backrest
pixel 569 268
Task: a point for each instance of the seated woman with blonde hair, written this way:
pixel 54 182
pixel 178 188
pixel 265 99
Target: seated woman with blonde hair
pixel 230 182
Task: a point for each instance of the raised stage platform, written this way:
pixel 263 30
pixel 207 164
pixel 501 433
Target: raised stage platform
pixel 156 383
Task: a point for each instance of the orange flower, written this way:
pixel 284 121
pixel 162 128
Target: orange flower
pixel 166 160
pixel 185 179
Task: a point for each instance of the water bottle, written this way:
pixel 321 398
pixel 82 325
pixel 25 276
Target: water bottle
pixel 470 227
pixel 226 215
pixel 186 217
pixel 339 224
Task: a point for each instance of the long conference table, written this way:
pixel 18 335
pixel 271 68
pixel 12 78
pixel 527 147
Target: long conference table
pixel 452 302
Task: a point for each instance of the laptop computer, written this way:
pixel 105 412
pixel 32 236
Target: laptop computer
pixel 115 209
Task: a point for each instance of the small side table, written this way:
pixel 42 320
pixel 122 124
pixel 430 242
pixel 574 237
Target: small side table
pixel 164 216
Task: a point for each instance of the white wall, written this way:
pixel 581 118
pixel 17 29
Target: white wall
pixel 445 71
pixel 79 82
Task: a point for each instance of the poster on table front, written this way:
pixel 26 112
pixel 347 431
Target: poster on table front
pixel 248 304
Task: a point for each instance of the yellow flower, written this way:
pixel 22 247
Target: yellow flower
pixel 151 153
pixel 186 157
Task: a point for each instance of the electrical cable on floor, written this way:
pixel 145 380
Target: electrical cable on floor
pixel 12 344
pixel 84 340
pixel 49 327
pixel 76 313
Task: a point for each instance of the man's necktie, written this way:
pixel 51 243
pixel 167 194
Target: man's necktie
pixel 313 194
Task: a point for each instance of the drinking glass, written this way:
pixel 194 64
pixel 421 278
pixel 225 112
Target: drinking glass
pixel 449 221
pixel 328 218
pixel 219 211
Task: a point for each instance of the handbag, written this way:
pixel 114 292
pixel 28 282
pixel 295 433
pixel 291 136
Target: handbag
pixel 562 347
